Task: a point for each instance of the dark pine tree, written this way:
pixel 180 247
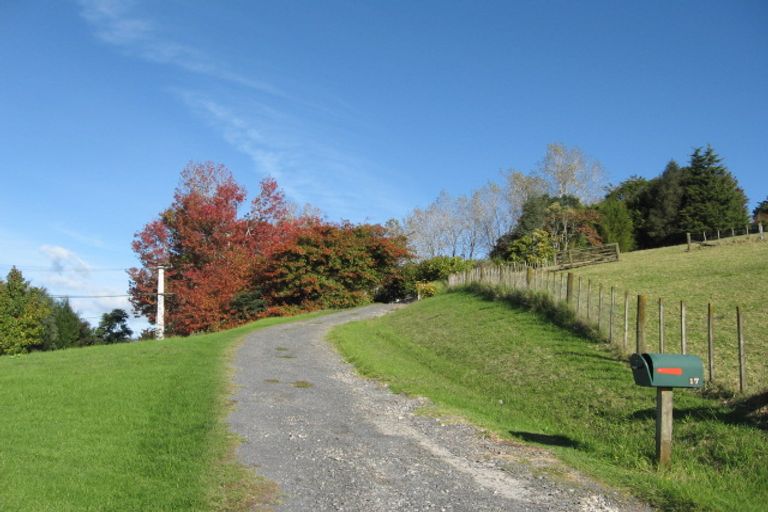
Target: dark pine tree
pixel 113 327
pixel 711 197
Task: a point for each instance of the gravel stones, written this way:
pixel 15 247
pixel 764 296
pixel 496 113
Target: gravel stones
pixel 338 442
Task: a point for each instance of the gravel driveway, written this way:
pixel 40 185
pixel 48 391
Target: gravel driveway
pixel 334 441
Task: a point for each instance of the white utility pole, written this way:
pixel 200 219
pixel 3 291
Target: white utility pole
pixel 160 319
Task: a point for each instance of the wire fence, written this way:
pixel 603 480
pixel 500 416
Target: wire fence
pixel 644 323
pixel 718 236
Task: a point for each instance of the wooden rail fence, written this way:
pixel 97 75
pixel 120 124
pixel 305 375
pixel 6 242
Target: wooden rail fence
pixel 587 256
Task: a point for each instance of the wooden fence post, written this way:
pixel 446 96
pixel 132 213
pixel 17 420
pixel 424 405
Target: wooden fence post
pixel 683 334
pixel 688 238
pixel 599 306
pixel 718 235
pixel 704 236
pixel 640 324
pixel 746 230
pixel 529 277
pixel 569 289
pixel 711 341
pixel 560 294
pixel 760 230
pixel 661 325
pixel 589 298
pixel 742 356
pixel 733 232
pixel 626 320
pixel 578 298
pixel 610 315
pixel 663 426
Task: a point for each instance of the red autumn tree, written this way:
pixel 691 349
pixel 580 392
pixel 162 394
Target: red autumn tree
pixel 224 270
pixel 270 222
pixel 209 249
pixel 331 266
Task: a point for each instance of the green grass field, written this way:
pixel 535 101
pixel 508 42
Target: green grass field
pixel 567 392
pixel 137 426
pixel 730 275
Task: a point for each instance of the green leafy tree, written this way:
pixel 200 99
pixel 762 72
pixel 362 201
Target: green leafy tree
pixel 71 330
pixel 565 219
pixel 113 327
pixel 711 196
pixel 533 248
pixel 628 190
pixel 570 223
pixel 662 201
pixel 24 311
pixel 616 224
pixel 534 215
pixel 632 192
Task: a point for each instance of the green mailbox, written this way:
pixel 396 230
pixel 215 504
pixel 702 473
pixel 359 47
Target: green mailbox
pixel 667 370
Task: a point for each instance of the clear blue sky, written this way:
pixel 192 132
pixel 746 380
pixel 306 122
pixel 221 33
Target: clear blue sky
pixel 364 109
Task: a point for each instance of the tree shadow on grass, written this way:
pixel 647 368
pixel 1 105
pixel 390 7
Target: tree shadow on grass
pixel 547 439
pixel 539 304
pixel 750 412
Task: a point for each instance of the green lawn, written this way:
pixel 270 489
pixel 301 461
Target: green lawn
pixel 137 426
pixel 467 354
pixel 730 275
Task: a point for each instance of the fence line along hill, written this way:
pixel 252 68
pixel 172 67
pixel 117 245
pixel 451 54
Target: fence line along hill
pixel 708 282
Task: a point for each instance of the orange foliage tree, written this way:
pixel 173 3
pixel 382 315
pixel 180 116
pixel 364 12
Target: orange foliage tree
pixel 332 266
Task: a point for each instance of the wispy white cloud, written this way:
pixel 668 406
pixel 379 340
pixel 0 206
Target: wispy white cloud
pixel 63 260
pixel 289 137
pixel 83 238
pixel 115 23
pixel 309 169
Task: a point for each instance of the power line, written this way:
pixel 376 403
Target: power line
pixel 65 296
pixel 88 296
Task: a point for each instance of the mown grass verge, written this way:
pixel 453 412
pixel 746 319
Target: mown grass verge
pixel 137 426
pixel 518 374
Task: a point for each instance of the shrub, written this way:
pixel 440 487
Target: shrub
pixel 533 249
pixel 426 289
pixel 440 267
pixel 399 284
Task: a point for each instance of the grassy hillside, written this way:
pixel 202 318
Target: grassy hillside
pixel 124 427
pixel 730 275
pixel 509 370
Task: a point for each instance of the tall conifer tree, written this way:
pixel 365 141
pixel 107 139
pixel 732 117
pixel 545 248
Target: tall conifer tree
pixel 712 198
